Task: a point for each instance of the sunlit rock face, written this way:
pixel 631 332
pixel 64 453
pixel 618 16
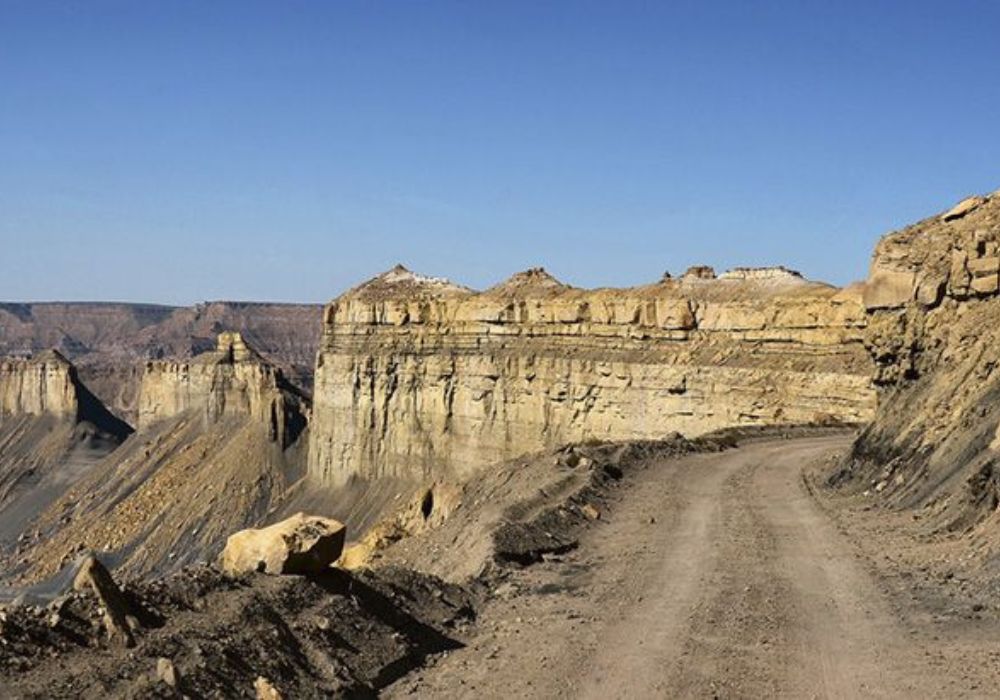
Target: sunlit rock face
pixel 231 381
pixel 43 384
pixel 933 302
pixel 419 377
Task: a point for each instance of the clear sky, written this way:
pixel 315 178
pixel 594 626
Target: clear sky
pixel 178 151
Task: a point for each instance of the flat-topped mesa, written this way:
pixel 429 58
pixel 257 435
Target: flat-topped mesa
pixel 419 377
pixel 43 384
pixel 231 381
pixel 47 384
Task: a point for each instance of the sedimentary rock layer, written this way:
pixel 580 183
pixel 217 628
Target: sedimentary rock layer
pixel 231 381
pixel 110 343
pixel 418 377
pixel 52 431
pixel 934 334
pixel 216 450
pixel 44 384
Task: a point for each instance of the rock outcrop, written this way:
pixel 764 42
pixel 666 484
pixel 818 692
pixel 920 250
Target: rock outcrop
pixel 110 343
pixel 418 377
pixel 43 384
pixel 234 380
pixel 934 335
pixel 217 449
pixel 52 431
pixel 301 544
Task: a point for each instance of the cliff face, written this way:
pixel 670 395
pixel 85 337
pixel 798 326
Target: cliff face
pixel 417 377
pixel 217 448
pixel 52 431
pixel 44 384
pixel 934 334
pixel 110 343
pixel 231 381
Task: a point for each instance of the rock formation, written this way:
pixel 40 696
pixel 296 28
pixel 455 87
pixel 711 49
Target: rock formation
pixel 934 335
pixel 52 431
pixel 43 384
pixel 110 343
pixel 301 544
pixel 418 377
pixel 231 381
pixel 217 448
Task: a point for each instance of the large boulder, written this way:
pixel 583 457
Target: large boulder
pixel 302 544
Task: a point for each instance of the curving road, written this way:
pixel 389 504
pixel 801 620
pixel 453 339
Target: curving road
pixel 714 576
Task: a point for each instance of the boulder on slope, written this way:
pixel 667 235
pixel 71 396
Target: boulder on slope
pixel 301 544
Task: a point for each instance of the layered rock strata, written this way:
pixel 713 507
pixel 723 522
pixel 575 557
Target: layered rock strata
pixel 52 431
pixel 216 451
pixel 44 384
pixel 231 381
pixel 109 343
pixel 934 335
pixel 418 377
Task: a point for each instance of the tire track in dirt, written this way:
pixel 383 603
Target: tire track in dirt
pixel 741 587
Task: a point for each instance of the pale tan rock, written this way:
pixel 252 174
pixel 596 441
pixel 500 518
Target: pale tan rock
pixel 889 289
pixel 166 672
pixel 428 509
pixel 231 381
pixel 422 379
pixel 42 384
pixel 301 544
pixel 265 689
pixel 964 207
pixel 590 511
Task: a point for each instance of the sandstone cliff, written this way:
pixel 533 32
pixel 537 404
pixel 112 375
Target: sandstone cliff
pixel 934 335
pixel 52 431
pixel 233 380
pixel 217 448
pixel 418 377
pixel 41 385
pixel 110 343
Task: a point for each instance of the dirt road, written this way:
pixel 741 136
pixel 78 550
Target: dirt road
pixel 714 575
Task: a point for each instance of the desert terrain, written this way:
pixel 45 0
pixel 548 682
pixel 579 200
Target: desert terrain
pixel 744 484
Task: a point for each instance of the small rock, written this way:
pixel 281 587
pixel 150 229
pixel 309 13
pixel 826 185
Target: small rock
pixel 265 690
pixel 167 672
pixel 590 511
pixel 94 576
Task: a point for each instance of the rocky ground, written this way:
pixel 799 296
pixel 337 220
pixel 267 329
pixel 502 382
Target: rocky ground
pixel 669 568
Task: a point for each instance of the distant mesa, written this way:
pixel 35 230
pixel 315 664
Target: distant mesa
pixel 762 273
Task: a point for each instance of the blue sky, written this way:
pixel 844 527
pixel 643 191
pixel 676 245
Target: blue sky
pixel 182 151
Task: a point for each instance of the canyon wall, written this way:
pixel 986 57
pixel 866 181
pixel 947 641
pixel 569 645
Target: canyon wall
pixel 109 343
pixel 417 377
pixel 934 335
pixel 52 431
pixel 232 380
